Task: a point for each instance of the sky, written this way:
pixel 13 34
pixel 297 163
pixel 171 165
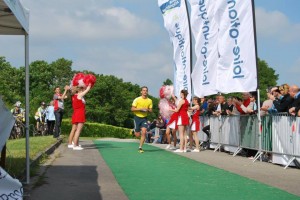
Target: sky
pixel 127 39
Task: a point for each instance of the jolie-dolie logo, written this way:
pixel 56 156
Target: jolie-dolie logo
pixel 169 5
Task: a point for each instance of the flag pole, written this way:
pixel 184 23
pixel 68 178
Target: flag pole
pixel 191 47
pixel 259 153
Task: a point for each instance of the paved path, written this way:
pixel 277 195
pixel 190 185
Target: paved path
pixel 84 174
pixel 74 175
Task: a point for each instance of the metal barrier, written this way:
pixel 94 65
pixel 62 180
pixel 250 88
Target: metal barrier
pixel 277 134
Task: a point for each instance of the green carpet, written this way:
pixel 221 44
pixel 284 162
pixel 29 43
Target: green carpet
pixel 158 174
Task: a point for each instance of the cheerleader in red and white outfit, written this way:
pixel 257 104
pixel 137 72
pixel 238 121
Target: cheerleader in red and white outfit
pixel 195 125
pixel 183 119
pixel 78 117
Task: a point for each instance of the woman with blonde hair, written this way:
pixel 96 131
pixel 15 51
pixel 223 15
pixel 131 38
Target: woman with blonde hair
pixel 78 117
pixel 183 119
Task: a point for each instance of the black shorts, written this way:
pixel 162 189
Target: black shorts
pixel 140 122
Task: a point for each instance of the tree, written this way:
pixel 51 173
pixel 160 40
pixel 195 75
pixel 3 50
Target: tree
pixel 168 82
pixel 267 78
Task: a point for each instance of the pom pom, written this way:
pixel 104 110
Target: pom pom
pixel 83 80
pixel 89 79
pixel 77 77
pixel 162 92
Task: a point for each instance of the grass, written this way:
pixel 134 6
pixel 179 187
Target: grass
pixel 16 153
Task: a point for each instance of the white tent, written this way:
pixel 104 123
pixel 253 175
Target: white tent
pixel 14 20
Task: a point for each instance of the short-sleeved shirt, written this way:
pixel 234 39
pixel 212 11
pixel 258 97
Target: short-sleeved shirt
pixel 140 102
pixel 58 103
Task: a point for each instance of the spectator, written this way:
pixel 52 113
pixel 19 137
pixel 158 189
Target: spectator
pixel 244 107
pixel 295 94
pixel 58 99
pixel 230 106
pixel 160 124
pixel 281 101
pixel 40 116
pixel 50 118
pixel 18 112
pixel 221 106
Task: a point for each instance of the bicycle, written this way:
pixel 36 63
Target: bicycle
pixel 18 129
pixel 42 127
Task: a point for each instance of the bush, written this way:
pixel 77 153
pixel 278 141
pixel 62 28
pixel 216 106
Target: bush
pixel 98 130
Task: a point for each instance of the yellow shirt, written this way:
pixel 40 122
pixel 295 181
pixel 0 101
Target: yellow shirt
pixel 140 102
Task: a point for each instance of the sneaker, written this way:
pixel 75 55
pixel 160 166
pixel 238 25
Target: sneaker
pixel 195 150
pixel 77 148
pixel 172 148
pixel 78 144
pixel 141 150
pixel 178 151
pixel 168 146
pixel 70 146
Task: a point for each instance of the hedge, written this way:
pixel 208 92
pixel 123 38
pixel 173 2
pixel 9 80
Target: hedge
pixel 98 130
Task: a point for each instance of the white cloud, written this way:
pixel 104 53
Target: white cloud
pixel 88 21
pixel 276 25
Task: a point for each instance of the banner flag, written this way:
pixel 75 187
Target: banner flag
pixel 6 124
pixel 236 68
pixel 10 188
pixel 176 22
pixel 205 31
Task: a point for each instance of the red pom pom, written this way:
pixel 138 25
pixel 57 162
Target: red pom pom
pixel 162 92
pixel 89 79
pixel 77 77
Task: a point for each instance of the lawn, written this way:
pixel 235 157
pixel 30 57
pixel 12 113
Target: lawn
pixel 16 152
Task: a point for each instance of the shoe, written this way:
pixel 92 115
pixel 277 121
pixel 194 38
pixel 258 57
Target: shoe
pixel 195 150
pixel 70 146
pixel 172 148
pixel 141 150
pixel 184 150
pixel 77 148
pixel 168 146
pixel 178 151
pixel 78 144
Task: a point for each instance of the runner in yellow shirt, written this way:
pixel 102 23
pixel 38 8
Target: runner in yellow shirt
pixel 141 106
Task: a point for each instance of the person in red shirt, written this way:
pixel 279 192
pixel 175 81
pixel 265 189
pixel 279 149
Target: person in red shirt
pixel 246 106
pixel 58 99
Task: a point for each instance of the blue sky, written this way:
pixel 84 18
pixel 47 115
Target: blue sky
pixel 127 38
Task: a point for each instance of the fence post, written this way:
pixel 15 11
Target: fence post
pixel 3 157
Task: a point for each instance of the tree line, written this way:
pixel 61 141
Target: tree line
pixel 109 102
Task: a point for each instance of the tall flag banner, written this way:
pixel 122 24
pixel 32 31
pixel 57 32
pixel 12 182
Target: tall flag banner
pixel 205 31
pixel 236 68
pixel 176 22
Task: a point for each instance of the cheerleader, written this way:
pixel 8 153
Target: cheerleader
pixel 183 119
pixel 172 124
pixel 195 125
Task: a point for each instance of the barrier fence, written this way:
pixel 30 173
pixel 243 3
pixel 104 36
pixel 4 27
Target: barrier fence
pixel 278 135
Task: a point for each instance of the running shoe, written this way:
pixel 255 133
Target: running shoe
pixel 178 151
pixel 141 150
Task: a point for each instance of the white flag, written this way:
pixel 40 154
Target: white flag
pixel 205 31
pixel 10 188
pixel 176 22
pixel 237 70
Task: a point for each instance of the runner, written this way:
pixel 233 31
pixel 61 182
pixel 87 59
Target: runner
pixel 140 107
